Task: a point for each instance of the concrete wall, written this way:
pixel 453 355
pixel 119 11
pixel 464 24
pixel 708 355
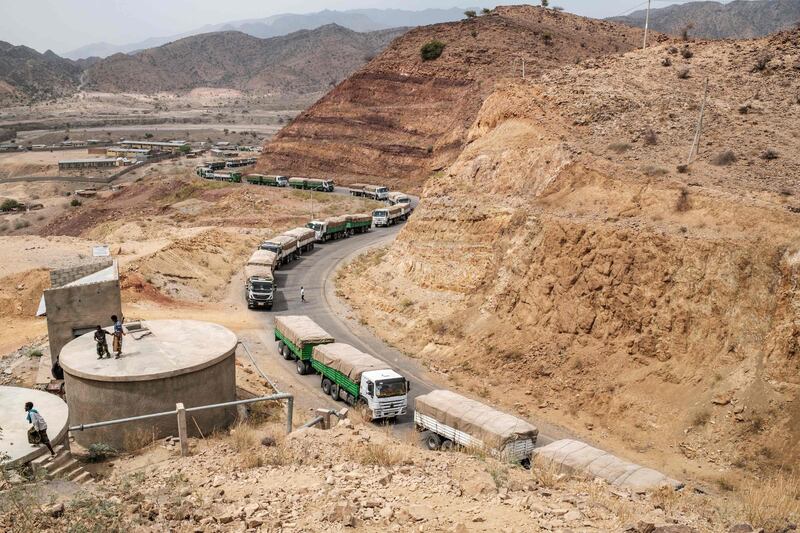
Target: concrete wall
pixel 79 307
pixel 62 276
pixel 97 401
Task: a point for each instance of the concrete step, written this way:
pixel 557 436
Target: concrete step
pixel 64 468
pixel 46 458
pixel 83 477
pixel 75 472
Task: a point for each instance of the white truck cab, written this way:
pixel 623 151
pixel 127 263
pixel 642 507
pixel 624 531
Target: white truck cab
pixel 282 181
pixel 319 228
pixel 385 392
pixel 381 193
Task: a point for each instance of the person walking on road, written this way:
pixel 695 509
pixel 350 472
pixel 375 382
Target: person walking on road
pixel 118 333
pixel 38 432
pixel 302 294
pixel 102 345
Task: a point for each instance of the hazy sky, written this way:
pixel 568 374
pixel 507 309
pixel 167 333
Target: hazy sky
pixel 63 25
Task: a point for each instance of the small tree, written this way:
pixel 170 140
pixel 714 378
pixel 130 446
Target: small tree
pixel 470 13
pixel 486 10
pixel 545 3
pixel 9 205
pixel 185 149
pixel 148 135
pixel 432 50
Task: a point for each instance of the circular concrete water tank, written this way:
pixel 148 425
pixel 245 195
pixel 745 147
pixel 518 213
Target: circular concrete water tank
pixel 14 447
pixel 163 362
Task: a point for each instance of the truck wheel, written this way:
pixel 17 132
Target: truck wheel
pixel 302 369
pixel 526 463
pixel 326 385
pixel 351 400
pixel 285 351
pixel 447 445
pixel 335 391
pixel 431 440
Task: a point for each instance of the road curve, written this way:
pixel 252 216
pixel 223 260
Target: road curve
pixel 315 271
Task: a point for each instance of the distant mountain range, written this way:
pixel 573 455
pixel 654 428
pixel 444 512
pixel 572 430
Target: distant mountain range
pixel 303 62
pixel 26 74
pixel 360 20
pixel 740 19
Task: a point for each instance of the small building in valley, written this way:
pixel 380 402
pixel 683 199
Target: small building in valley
pixel 73 164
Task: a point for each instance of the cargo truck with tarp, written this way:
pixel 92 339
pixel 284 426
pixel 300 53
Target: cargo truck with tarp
pixel 354 376
pixel 306 237
pixel 391 215
pixel 269 181
pixel 447 419
pixel 296 337
pixel 397 197
pixel 259 281
pixel 311 184
pixel 376 192
pixel 284 246
pixel 329 229
pixel 358 223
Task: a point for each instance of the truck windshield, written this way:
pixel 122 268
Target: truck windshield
pixel 382 189
pixel 379 214
pixel 262 286
pixel 391 387
pixel 271 247
pixel 316 226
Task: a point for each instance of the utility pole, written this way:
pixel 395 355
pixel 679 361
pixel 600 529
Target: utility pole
pixel 696 144
pixel 523 69
pixel 646 24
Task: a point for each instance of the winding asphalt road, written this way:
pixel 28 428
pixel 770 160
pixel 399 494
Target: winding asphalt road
pixel 315 271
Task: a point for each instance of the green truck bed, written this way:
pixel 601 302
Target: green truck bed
pixel 303 354
pixel 337 377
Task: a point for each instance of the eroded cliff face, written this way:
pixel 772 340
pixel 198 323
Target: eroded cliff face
pixel 655 311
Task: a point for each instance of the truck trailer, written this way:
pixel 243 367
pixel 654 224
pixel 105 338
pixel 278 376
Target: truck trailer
pixel 330 228
pixel 264 258
pixel 311 184
pixel 396 197
pixel 270 181
pixel 259 286
pixel 296 337
pixel 284 246
pixel 306 237
pixel 353 376
pixel 447 419
pixel 358 223
pixel 389 216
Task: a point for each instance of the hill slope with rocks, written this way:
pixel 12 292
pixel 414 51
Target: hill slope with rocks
pixel 27 75
pixel 402 117
pixel 300 63
pixel 570 264
pixel 740 19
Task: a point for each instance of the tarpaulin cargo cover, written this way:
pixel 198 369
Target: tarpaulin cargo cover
pixel 346 359
pixel 301 330
pixel 263 258
pixel 493 427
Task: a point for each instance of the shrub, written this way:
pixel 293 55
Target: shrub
pixel 470 13
pixel 724 158
pixel 683 74
pixel 771 503
pixel 9 205
pixel 620 148
pixel 21 223
pixel 100 451
pixel 75 202
pixel 432 50
pixel 486 11
pixel 650 137
pixel 547 38
pixel 701 418
pixel 686 53
pixel 761 63
pixel 769 154
pixel 666 62
pixel 545 3
pixel 34 352
pixel 682 169
pixel 682 203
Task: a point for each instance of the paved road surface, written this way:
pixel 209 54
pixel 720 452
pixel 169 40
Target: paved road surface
pixel 314 271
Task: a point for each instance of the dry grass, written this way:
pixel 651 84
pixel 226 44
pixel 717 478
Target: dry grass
pixel 378 454
pixel 701 418
pixel 548 476
pixel 772 504
pixel 724 158
pixel 243 438
pixel 665 497
pixel 139 438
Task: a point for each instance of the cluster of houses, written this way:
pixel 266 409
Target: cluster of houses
pixel 125 153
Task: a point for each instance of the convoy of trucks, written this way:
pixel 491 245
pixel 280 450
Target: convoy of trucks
pixel 296 337
pixel 447 419
pixel 396 197
pixel 243 162
pixel 311 184
pixel 389 216
pixel 376 192
pixel 270 181
pixel 329 229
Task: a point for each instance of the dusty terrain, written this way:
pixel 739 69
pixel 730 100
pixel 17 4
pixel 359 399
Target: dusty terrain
pixel 348 478
pixel 566 267
pixel 401 118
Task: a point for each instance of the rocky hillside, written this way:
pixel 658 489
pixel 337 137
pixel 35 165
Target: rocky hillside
pixel 740 19
pixel 300 63
pixel 402 117
pixel 27 75
pixel 572 266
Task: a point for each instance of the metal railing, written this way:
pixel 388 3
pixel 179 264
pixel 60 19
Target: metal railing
pixel 180 411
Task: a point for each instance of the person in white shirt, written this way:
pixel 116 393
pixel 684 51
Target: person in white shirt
pixel 302 294
pixel 39 425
